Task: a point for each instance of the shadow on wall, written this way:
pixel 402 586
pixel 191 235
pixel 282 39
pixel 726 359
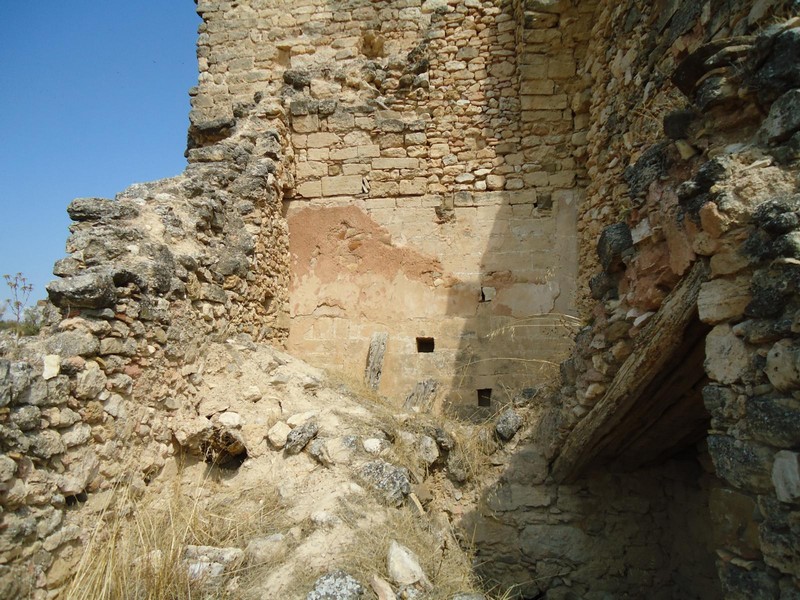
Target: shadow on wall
pixel 470 188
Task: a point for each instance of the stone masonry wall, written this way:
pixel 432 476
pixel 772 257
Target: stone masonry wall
pixel 150 278
pixel 707 197
pixel 417 169
pixel 433 160
pixel 711 193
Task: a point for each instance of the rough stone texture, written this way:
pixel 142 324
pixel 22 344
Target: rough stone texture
pixel 95 290
pixel 782 120
pixel 299 437
pixel 403 565
pixel 389 481
pixel 786 476
pixel 432 160
pixel 508 424
pixel 337 585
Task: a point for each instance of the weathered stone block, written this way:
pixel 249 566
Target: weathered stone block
pixel 342 185
pixel 741 584
pixel 305 124
pixel 783 365
pixel 786 476
pixel 395 163
pixel 97 209
pixel 744 464
pixel 413 187
pixel 72 343
pixel 783 118
pixel 774 421
pixel 544 102
pixel 90 290
pixel 322 140
pixel 723 299
pixel 369 151
pixel 310 189
pixel 727 357
pixel 311 170
pixel 614 241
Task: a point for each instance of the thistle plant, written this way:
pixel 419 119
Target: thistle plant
pixel 20 290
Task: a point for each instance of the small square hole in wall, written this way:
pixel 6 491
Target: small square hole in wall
pixel 425 344
pixel 485 397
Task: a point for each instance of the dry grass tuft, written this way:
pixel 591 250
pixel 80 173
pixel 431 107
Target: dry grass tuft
pixel 447 565
pixel 136 552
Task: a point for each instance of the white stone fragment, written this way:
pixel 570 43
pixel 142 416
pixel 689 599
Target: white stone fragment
pixel 403 566
pixel 278 433
pixel 373 445
pixel 786 476
pixel 231 419
pixel 52 366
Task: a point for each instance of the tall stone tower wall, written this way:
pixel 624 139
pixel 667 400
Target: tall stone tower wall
pixel 430 194
pixel 433 165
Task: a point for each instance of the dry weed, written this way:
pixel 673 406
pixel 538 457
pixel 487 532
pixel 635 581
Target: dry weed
pixel 447 565
pixel 136 552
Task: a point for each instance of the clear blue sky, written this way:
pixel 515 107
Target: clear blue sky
pixel 93 98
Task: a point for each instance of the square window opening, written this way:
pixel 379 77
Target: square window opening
pixel 485 397
pixel 425 344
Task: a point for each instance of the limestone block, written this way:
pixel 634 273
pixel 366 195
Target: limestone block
pixel 741 463
pixel 310 189
pixel 786 476
pixel 561 68
pixel 723 299
pixel 495 182
pixel 346 153
pixel 305 124
pixel 355 169
pixel 311 170
pixel 322 140
pixel 727 357
pixel 562 179
pixel 783 365
pixel 783 118
pixel 319 154
pixel 403 566
pixel 549 102
pixel 368 151
pixel 544 87
pixel 278 433
pixel 125 347
pixel 52 366
pixel 439 150
pixel 414 187
pixel 342 185
pixel 395 163
pixel 90 382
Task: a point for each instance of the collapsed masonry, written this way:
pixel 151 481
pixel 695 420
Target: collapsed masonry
pixel 419 183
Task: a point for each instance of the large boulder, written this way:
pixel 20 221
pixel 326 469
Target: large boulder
pixel 88 290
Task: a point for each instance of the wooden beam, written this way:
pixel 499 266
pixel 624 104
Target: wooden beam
pixel 657 345
pixel 667 408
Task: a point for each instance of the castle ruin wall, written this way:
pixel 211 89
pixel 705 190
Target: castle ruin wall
pixel 445 170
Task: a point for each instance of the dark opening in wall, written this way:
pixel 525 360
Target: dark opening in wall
pixel 74 499
pixel 488 294
pixel 485 397
pixel 425 344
